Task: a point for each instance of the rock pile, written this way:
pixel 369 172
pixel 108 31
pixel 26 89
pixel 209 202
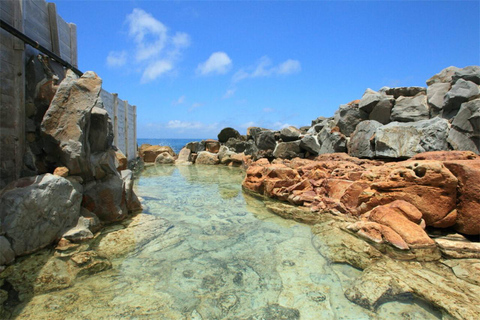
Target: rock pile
pixel 70 135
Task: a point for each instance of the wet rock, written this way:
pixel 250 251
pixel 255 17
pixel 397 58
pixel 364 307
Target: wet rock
pixel 378 234
pixel 465 269
pixel 205 157
pixel 42 207
pixel 287 150
pixel 404 140
pixel 290 134
pixel 408 109
pixel 362 141
pixel 132 201
pixel 164 158
pixel 227 133
pixel 461 92
pixel 458 249
pixel 80 232
pixel 276 311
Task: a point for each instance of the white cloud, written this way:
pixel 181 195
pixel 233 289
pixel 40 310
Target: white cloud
pixel 156 69
pixel 181 40
pixel 116 58
pixel 194 106
pixel 229 93
pixel 218 63
pixel 264 68
pixel 190 125
pixel 180 100
pixel 280 125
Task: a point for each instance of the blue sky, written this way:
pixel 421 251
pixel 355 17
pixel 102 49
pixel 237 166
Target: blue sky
pixel 194 67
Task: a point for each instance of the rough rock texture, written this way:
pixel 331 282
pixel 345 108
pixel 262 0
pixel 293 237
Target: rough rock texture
pixel 403 91
pixel 348 116
pixel 212 146
pixel 362 142
pixel 133 203
pixel 436 97
pixel 228 133
pixel 42 207
pixel 403 140
pixel 122 161
pixel 205 157
pixel 164 158
pixel 149 153
pixel 460 92
pixel 7 255
pixel 310 144
pixel 443 76
pixel 266 140
pixel 331 141
pixel 290 134
pixel 465 131
pixel 184 156
pixel 408 109
pixel 287 150
pixel 196 146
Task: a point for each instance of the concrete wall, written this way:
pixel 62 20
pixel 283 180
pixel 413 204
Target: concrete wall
pixel 39 20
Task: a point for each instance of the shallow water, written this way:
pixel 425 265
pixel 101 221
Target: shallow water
pixel 217 253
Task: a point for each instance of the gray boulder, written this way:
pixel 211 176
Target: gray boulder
pixel 288 150
pixel 461 92
pixel 436 97
pixel 404 91
pixel 404 140
pixel 470 73
pixel 331 142
pixel 465 131
pixel 290 134
pixel 266 140
pixel 348 116
pixel 362 141
pixel 196 146
pixel 35 211
pixel 328 122
pixel 253 132
pixel 382 111
pixel 369 100
pixel 228 133
pixel 310 143
pixel 237 145
pixel 7 255
pixel 408 109
pixel 443 76
pixel 318 120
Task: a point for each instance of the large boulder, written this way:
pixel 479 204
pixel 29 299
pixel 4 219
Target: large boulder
pixel 228 133
pixel 164 158
pixel 436 97
pixel 149 153
pixel 362 141
pixel 408 109
pixel 470 73
pixel 266 140
pixel 404 140
pixel 369 100
pixel 288 150
pixel 106 198
pixel 212 145
pixel 444 76
pixel 184 156
pixel 382 111
pixel 237 145
pixel 310 143
pixel 465 131
pixel 36 211
pixel 290 134
pixel 65 126
pixel 196 146
pixel 403 91
pixel 348 116
pixel 7 255
pixel 461 92
pixel 205 157
pixel 331 141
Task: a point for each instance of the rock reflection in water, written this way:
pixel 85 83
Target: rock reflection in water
pixel 208 251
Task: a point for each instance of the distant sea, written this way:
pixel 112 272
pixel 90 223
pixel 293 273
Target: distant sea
pixel 175 144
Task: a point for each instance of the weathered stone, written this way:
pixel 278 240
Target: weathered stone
pixel 348 118
pixel 238 145
pixel 184 156
pixel 458 249
pixel 122 161
pixel 310 144
pixel 227 133
pixel 7 255
pixel 212 145
pixel 468 207
pixel 132 202
pixel 404 140
pixel 80 232
pixel 164 158
pixel 61 172
pixel 205 157
pixel 287 150
pixel 362 141
pixel 465 132
pixel 382 111
pixel 461 92
pixel 100 133
pixel 408 109
pixel 446 155
pixel 106 199
pixel 196 146
pixel 436 97
pixel 65 126
pixel 404 91
pixel 290 134
pixel 318 120
pixel 35 211
pixel 369 100
pixel 266 140
pixel 470 73
pixel 331 142
pixel 378 234
pixel 149 153
pixel 444 76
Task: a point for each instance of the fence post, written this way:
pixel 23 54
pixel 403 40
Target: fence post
pixel 115 119
pixel 126 128
pixel 52 21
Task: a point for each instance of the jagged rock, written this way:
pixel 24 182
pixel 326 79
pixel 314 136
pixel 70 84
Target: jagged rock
pixel 205 157
pixel 80 232
pixel 149 153
pixel 328 122
pixel 287 150
pixel 35 211
pixel 468 207
pixel 409 109
pixel 132 202
pixel 61 172
pixel 164 158
pixel 228 133
pixel 446 155
pixel 65 126
pixel 310 144
pixel 331 142
pixel 196 146
pixel 238 145
pixel 458 249
pixel 470 73
pixel 444 76
pixel 318 120
pixel 362 141
pixel 93 222
pixel 290 134
pixel 212 145
pixel 404 140
pixel 122 161
pixel 436 97
pixel 266 140
pixel 378 234
pixel 369 100
pixel 7 255
pixel 465 131
pixel 106 199
pixel 100 134
pixel 460 92
pixel 253 132
pixel 348 116
pixel 184 156
pixel 404 91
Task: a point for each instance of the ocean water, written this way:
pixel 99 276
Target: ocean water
pixel 175 144
pixel 203 249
